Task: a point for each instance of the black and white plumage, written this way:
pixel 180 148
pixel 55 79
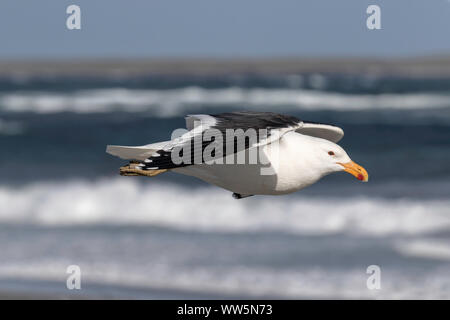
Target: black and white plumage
pixel 296 143
pixel 268 123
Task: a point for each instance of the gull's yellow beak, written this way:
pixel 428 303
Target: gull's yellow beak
pixel 355 169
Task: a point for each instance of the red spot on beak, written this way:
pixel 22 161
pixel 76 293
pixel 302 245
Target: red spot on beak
pixel 355 170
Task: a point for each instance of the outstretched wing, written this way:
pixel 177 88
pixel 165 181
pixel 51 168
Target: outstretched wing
pixel 273 122
pixel 229 133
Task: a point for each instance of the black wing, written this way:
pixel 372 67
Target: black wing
pixel 265 127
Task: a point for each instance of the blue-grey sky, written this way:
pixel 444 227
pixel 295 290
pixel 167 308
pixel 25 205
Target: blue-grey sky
pixel 225 28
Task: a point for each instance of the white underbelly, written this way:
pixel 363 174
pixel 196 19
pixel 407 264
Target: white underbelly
pixel 271 175
pixel 242 179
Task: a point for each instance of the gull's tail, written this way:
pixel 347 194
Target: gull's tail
pixel 137 155
pixel 134 153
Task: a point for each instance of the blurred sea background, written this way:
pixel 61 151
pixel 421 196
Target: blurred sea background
pixel 63 99
pixel 64 203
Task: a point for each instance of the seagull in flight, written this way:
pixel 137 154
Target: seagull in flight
pixel 276 154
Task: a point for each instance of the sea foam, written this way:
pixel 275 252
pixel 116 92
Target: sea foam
pixel 209 209
pixel 170 102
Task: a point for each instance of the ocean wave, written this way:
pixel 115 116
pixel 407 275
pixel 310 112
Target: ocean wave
pixel 127 201
pixel 170 102
pixel 437 249
pixel 318 283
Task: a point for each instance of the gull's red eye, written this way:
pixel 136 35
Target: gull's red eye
pixel 331 153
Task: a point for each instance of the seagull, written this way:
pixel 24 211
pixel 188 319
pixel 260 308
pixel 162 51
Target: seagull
pixel 247 153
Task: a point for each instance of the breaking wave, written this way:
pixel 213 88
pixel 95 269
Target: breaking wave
pixel 170 102
pixel 121 201
pixel 316 283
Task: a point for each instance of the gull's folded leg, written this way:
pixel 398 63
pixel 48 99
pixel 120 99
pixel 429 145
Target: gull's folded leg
pixel 132 170
pixel 241 196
